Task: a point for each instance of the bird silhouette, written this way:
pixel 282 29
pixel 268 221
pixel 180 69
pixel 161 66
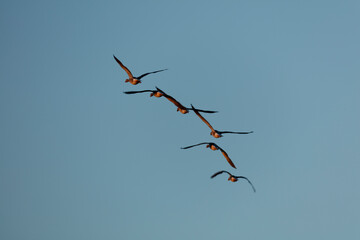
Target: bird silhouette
pixel 234 178
pixel 154 93
pixel 214 147
pixel 215 133
pixel 134 80
pixel 180 107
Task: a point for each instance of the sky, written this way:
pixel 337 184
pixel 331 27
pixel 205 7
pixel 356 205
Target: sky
pixel 81 160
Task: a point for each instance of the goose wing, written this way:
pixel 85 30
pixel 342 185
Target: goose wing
pixel 222 132
pixel 145 74
pixel 160 90
pixel 202 118
pixel 134 92
pixel 204 111
pixel 248 181
pixel 123 67
pixel 220 172
pixel 194 145
pixel 171 99
pixel 226 156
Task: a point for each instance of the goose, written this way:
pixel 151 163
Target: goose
pixel 214 147
pixel 180 107
pixel 154 93
pixel 215 133
pixel 233 178
pixel 134 80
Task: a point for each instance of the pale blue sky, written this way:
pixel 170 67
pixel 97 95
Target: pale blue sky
pixel 81 160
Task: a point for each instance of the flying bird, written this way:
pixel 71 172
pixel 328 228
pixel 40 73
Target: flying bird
pixel 214 147
pixel 215 133
pixel 180 107
pixel 154 93
pixel 134 80
pixel 234 178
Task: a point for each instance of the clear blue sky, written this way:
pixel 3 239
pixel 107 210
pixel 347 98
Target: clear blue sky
pixel 81 160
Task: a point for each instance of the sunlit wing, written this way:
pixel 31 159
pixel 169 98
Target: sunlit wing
pixel 227 157
pixel 173 100
pixel 202 118
pixel 123 67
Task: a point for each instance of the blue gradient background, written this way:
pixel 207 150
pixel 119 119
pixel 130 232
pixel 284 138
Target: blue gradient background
pixel 81 160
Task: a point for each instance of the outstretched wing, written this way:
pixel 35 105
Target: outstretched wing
pixel 202 118
pixel 171 99
pixel 160 90
pixel 204 111
pixel 134 92
pixel 222 132
pixel 123 67
pixel 226 156
pixel 248 181
pixel 194 145
pixel 220 172
pixel 145 74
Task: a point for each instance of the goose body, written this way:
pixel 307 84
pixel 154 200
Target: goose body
pixel 154 93
pixel 134 80
pixel 214 147
pixel 215 133
pixel 181 108
pixel 233 178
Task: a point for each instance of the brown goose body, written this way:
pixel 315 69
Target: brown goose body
pixel 214 147
pixel 134 80
pixel 181 108
pixel 215 133
pixel 233 178
pixel 154 93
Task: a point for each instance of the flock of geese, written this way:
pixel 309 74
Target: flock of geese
pixel 184 110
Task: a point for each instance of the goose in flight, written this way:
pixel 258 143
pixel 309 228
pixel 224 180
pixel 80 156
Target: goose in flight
pixel 234 178
pixel 154 93
pixel 180 107
pixel 214 146
pixel 134 80
pixel 215 133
